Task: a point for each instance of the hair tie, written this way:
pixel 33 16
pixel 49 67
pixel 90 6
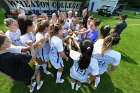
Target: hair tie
pixel 88 47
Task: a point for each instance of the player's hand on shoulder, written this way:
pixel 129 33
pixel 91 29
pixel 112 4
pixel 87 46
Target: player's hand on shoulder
pixel 29 42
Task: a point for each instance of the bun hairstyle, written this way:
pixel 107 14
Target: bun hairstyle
pixel 97 21
pixel 81 22
pixel 8 21
pixel 54 29
pixel 104 31
pixel 123 17
pixel 86 46
pixel 42 25
pixel 109 41
pixel 61 21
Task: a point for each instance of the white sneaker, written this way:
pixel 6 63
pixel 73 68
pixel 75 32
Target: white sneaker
pixel 39 86
pixel 32 87
pixel 60 81
pixel 47 72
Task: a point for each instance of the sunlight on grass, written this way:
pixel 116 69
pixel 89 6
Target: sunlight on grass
pixel 124 80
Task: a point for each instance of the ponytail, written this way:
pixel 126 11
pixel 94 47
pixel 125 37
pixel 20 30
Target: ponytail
pixel 54 29
pixel 42 25
pixel 86 46
pixel 8 21
pixel 109 41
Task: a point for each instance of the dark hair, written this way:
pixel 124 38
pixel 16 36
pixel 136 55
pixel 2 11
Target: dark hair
pixel 61 21
pixel 21 25
pixel 2 39
pixel 27 23
pixel 124 17
pixel 97 22
pixel 109 41
pixel 54 29
pixel 91 17
pixel 104 31
pixel 42 25
pixel 116 39
pixel 86 46
pixel 81 22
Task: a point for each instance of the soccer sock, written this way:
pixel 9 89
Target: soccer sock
pixel 37 66
pixel 77 87
pixel 97 81
pixel 59 74
pixel 44 66
pixel 72 85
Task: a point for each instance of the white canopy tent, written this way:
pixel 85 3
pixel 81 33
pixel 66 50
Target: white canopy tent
pixel 97 4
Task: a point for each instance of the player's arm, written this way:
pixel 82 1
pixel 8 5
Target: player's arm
pixel 30 43
pixel 63 55
pixel 83 32
pixel 66 38
pixel 25 49
pixel 70 42
pixel 76 43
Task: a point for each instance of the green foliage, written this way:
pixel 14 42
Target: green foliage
pixel 131 3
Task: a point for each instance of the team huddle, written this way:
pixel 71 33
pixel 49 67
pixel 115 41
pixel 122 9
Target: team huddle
pixel 40 40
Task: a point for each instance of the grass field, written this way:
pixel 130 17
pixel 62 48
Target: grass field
pixel 126 79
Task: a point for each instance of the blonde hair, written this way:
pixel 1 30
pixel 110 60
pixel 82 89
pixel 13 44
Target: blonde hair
pixel 8 21
pixel 69 12
pixel 109 41
pixel 1 32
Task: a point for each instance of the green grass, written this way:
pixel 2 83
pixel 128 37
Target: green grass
pixel 124 80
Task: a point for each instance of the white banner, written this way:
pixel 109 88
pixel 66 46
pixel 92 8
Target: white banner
pixel 43 5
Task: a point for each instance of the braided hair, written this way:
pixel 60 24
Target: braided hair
pixel 109 41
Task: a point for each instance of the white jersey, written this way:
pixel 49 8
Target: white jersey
pixel 81 36
pixel 14 37
pixel 14 49
pixel 66 25
pixel 44 52
pixel 98 46
pixel 82 75
pixel 110 57
pixel 65 29
pixel 24 38
pixel 56 45
pixel 69 20
pixel 74 27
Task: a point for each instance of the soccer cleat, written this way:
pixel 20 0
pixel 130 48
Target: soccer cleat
pixel 39 86
pixel 60 81
pixel 47 72
pixel 33 86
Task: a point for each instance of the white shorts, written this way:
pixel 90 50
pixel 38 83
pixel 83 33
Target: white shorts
pixel 57 64
pixel 101 71
pixel 75 76
pixel 45 58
